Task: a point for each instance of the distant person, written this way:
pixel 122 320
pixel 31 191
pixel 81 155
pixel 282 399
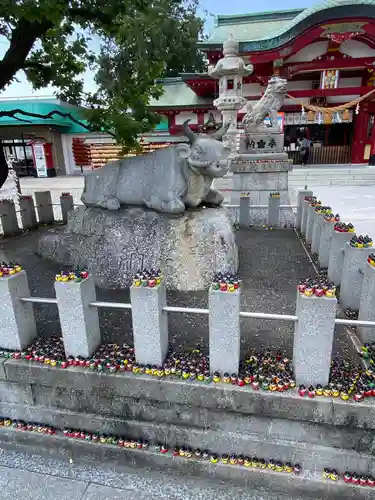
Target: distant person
pixel 305 145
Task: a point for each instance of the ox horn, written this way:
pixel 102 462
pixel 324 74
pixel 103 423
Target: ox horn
pixel 220 133
pixel 188 132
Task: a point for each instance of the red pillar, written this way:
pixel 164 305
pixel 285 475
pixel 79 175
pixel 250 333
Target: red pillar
pixel 359 138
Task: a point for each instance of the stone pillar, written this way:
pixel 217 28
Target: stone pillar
pixel 273 219
pixel 17 322
pixel 8 218
pixel 310 224
pixel 305 209
pixel 325 242
pixel 352 277
pixel 302 193
pixel 224 326
pixel 313 339
pixel 79 322
pixel 317 229
pixel 367 305
pixel 28 215
pixel 244 210
pixel 44 207
pixel 336 255
pixel 67 205
pixel 150 324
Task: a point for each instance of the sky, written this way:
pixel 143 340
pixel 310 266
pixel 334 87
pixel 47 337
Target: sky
pixel 208 10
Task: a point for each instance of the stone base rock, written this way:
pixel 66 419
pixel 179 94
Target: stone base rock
pixel 114 245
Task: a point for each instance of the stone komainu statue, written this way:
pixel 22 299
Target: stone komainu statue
pixel 269 105
pixel 168 180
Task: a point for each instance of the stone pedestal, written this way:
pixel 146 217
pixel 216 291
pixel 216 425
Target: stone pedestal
pixel 367 305
pixel 44 207
pixel 79 322
pixel 325 242
pixel 313 339
pixel 244 211
pixel 8 218
pixel 273 219
pixel 352 277
pixel 17 322
pixel 150 324
pixel 261 175
pixel 317 229
pixel 305 209
pixel 67 205
pixel 115 245
pixel 224 324
pixel 310 224
pixel 336 255
pixel 302 193
pixel 28 215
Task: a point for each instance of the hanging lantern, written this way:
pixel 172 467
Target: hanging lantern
pixel 357 109
pixel 311 116
pixel 346 115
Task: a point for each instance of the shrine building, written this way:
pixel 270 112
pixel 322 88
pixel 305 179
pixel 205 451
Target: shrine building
pixel 327 54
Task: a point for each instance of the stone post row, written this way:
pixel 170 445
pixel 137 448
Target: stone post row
pixel 367 304
pixel 310 223
pixel 224 326
pixel 352 276
pixel 336 255
pixel 44 207
pixel 67 205
pixel 313 339
pixel 244 210
pixel 273 218
pixel 8 218
pixel 302 193
pixel 305 209
pixel 318 219
pixel 28 215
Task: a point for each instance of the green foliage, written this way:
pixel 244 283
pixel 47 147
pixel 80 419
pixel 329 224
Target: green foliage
pixel 141 41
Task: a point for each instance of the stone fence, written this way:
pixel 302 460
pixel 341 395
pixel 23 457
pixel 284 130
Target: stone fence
pixel 32 214
pixel 273 215
pixel 314 322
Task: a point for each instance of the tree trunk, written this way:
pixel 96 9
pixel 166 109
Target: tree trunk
pixel 4 170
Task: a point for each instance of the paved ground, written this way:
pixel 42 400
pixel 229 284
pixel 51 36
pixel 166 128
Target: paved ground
pixel 33 477
pixel 355 204
pixel 271 263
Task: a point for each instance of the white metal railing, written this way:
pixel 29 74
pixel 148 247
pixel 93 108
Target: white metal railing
pixel 194 310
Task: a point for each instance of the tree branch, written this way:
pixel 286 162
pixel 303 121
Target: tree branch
pixel 13 112
pixel 23 37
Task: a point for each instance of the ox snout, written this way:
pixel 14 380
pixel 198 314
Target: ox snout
pixel 218 168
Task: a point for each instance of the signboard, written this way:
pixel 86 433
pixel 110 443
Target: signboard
pixel 330 79
pixel 40 160
pixel 280 121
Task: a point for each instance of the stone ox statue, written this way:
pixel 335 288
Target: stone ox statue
pixel 168 180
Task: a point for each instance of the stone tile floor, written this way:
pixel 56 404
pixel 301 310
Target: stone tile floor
pixel 29 476
pixel 271 263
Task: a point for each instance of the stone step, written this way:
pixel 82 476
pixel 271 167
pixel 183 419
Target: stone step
pixel 313 446
pixel 307 484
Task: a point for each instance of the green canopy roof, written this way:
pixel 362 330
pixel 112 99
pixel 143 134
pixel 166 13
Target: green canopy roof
pixel 177 95
pixel 42 106
pixel 269 30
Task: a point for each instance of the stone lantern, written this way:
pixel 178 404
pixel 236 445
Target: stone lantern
pixel 229 71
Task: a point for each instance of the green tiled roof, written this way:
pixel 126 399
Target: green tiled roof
pixel 177 95
pixel 251 26
pixel 269 30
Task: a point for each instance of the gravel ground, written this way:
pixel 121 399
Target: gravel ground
pixel 271 263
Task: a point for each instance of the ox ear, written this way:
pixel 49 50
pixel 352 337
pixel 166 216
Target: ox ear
pixel 183 150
